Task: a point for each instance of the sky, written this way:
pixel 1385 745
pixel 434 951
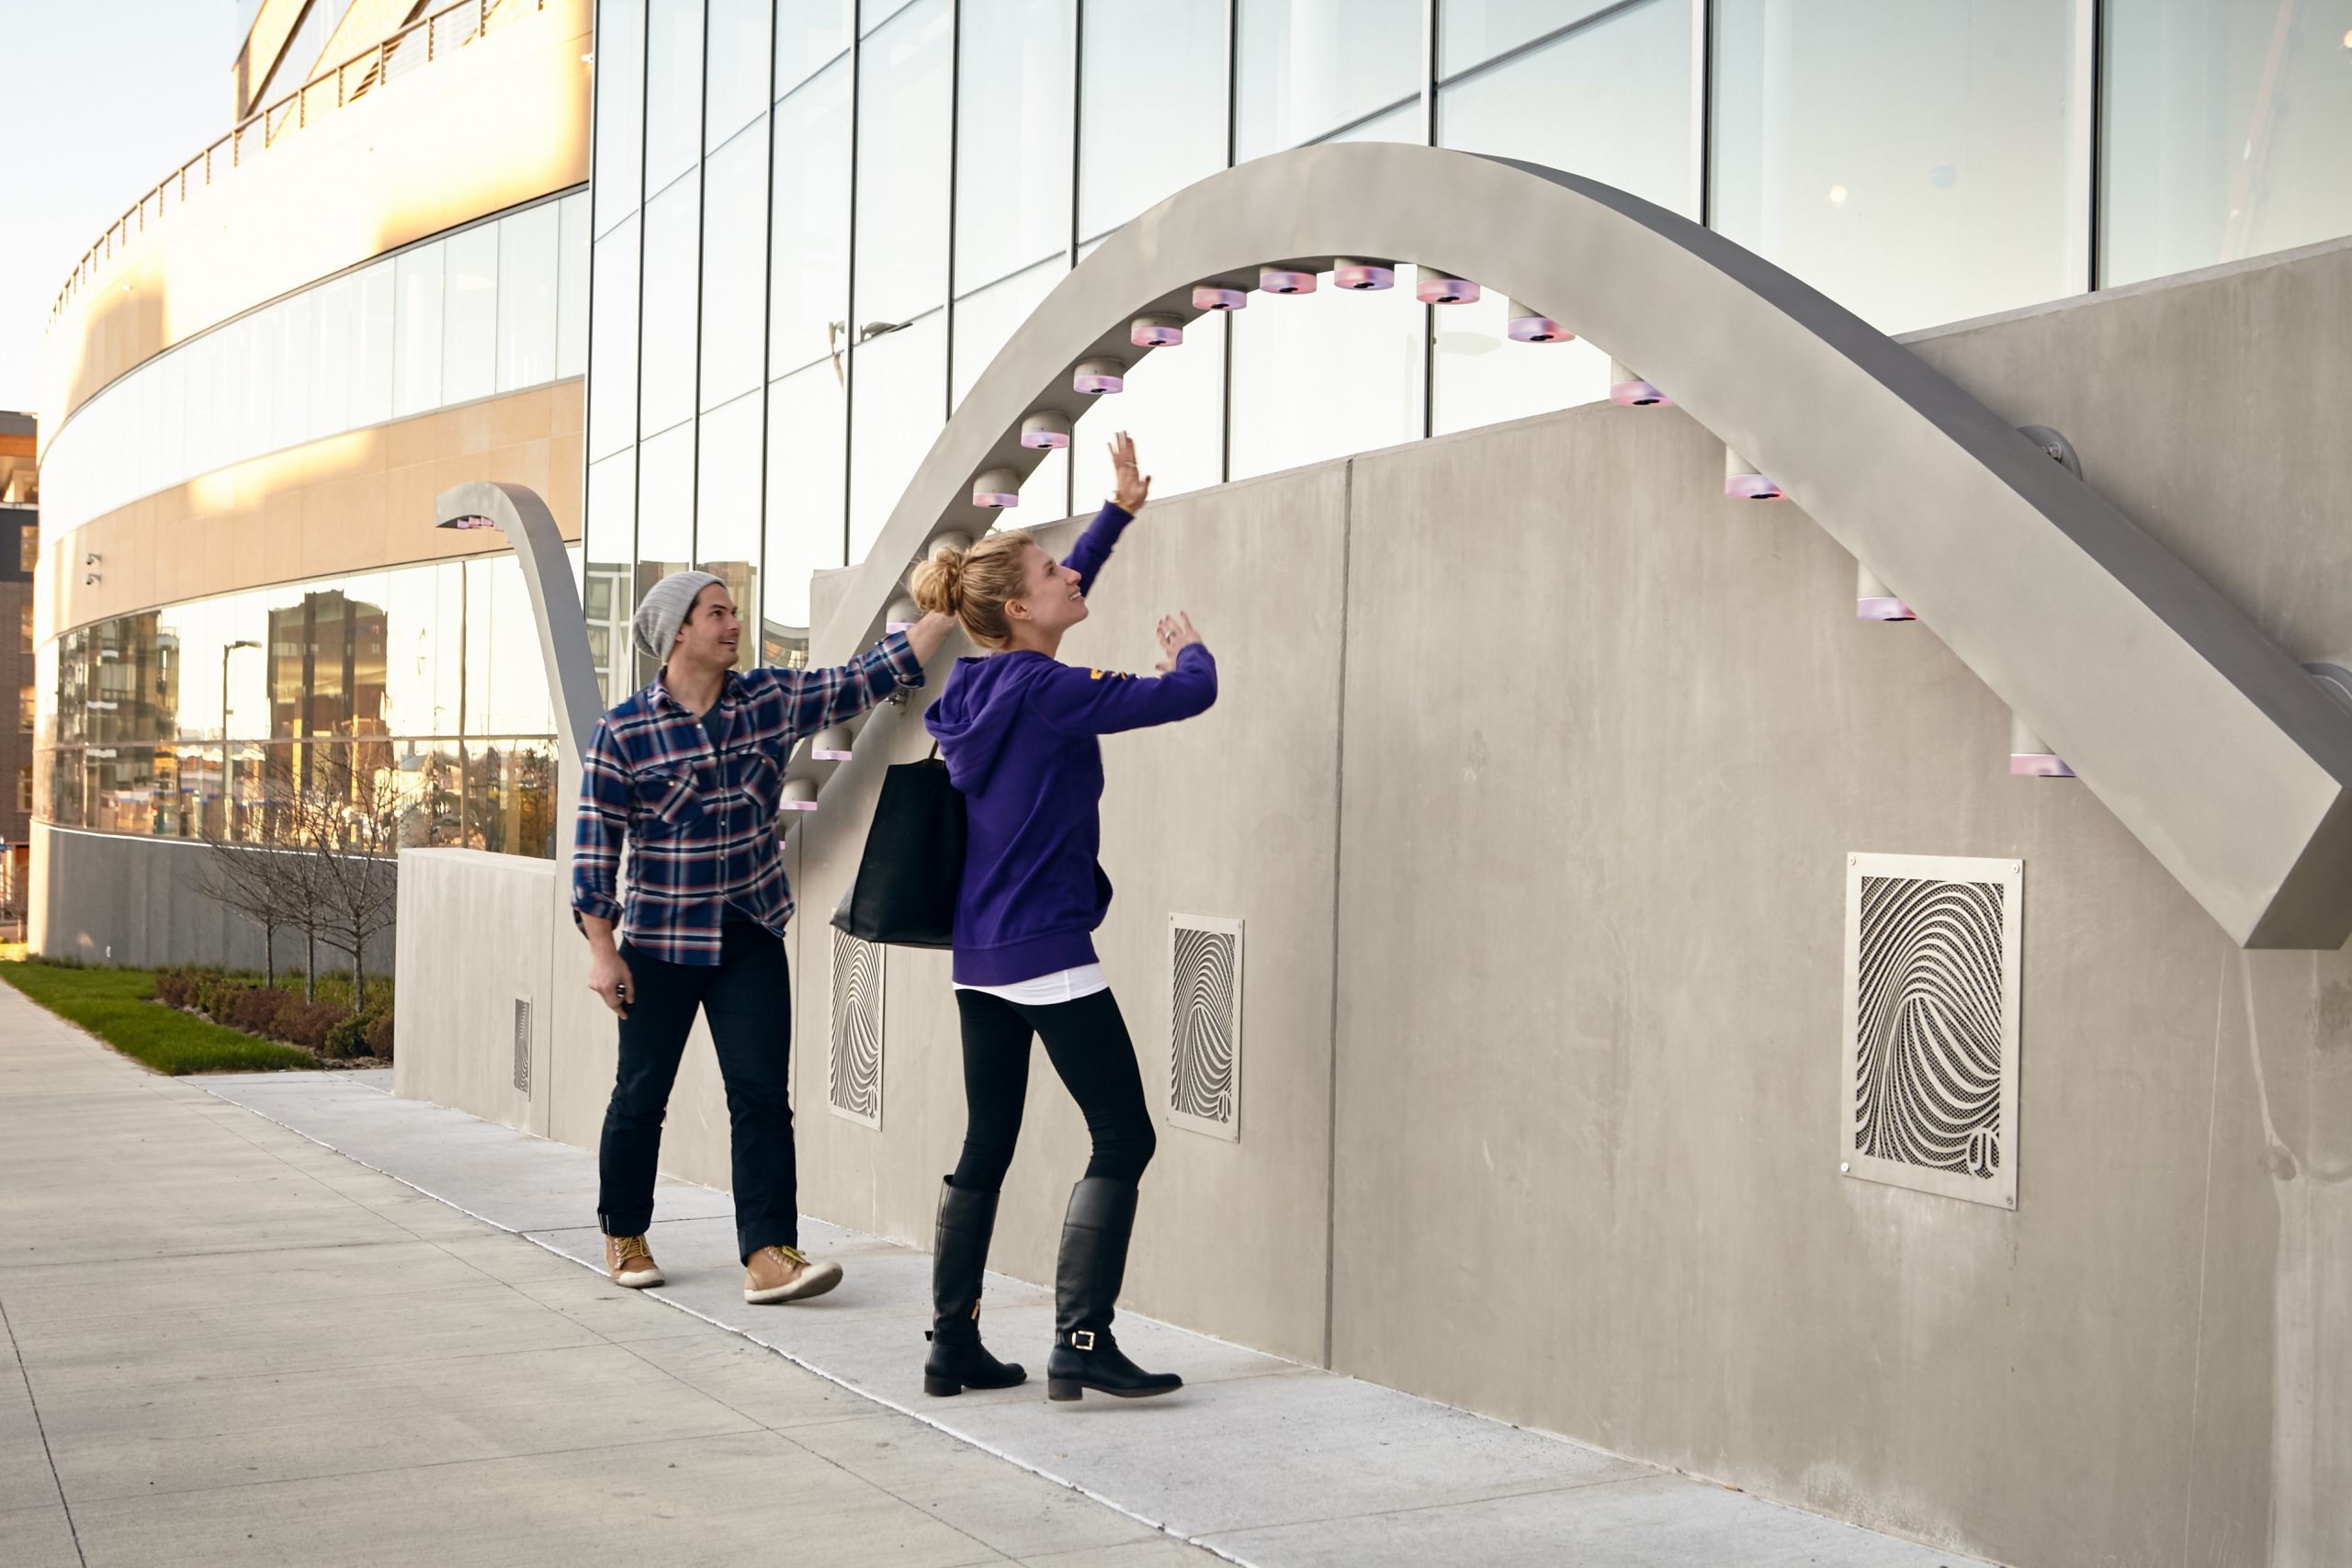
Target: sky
pixel 101 99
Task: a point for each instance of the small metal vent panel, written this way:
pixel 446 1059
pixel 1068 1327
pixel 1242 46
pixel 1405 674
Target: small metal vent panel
pixel 1205 1032
pixel 523 1044
pixel 1927 1098
pixel 853 1059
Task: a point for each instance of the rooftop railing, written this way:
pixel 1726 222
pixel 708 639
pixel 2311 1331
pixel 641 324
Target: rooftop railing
pixel 416 46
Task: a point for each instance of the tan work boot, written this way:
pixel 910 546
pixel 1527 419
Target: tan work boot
pixel 630 1262
pixel 782 1274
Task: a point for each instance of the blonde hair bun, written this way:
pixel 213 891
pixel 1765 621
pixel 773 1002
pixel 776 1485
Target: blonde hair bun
pixel 974 584
pixel 938 583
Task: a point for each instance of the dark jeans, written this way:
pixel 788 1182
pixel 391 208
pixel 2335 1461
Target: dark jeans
pixel 748 998
pixel 1087 1042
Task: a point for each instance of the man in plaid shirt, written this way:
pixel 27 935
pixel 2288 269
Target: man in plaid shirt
pixel 688 772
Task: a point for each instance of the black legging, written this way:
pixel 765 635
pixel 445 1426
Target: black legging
pixel 1087 1041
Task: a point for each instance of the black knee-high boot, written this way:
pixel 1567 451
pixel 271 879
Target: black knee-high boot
pixel 1086 1286
pixel 958 1360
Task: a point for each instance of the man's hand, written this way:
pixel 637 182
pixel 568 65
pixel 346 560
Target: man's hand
pixel 926 635
pixel 607 971
pixel 1176 635
pixel 1129 488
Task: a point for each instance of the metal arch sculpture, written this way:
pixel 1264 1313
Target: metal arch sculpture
pixel 2226 760
pixel 519 512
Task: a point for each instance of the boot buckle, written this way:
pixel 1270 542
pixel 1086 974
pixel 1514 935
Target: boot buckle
pixel 1082 1340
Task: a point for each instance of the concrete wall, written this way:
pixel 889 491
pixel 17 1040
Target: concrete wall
pixel 110 898
pixel 1535 775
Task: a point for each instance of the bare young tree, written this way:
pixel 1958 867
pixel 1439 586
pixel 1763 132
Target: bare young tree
pixel 249 880
pixel 348 827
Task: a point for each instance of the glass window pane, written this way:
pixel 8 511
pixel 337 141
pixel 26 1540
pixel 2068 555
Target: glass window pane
pixel 416 357
pixel 620 110
pixel 1472 31
pixel 666 389
pixel 611 552
pixel 1322 375
pixel 373 331
pixel 506 687
pixel 734 266
pixel 897 403
pixel 2226 130
pixel 872 13
pixel 612 391
pixel 571 288
pixel 329 366
pixel 986 321
pixel 1013 150
pixel 737 67
pixel 469 315
pixel 665 515
pixel 1567 105
pixel 1174 404
pixel 809 36
pixel 903 96
pixel 673 90
pixel 1304 68
pixel 727 507
pixel 528 246
pixel 256 417
pixel 807 428
pixel 1146 133
pixel 808 277
pixel 421 675
pixel 298 327
pixel 1911 197
pixel 1404 123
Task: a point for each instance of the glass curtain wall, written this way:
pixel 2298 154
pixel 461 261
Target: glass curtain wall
pixel 416 691
pixel 925 171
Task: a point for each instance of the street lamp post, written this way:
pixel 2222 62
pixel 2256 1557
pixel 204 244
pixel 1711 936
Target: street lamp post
pixel 240 642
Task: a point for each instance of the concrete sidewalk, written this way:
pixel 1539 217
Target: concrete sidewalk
pixel 360 1336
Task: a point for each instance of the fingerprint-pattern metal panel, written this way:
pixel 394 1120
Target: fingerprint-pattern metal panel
pixel 1929 1100
pixel 853 1059
pixel 1204 1033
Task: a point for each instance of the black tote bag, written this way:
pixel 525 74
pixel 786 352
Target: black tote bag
pixel 904 893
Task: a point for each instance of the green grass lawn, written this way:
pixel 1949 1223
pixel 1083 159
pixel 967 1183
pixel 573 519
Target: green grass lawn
pixel 119 1007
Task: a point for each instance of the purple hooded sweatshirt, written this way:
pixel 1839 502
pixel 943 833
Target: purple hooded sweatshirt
pixel 1018 733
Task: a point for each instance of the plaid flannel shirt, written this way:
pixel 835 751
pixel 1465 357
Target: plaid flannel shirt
pixel 701 822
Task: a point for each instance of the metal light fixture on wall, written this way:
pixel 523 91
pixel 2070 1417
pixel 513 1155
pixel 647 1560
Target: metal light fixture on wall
pixel 1046 432
pixel 2031 756
pixel 799 795
pixel 1444 289
pixel 1743 482
pixel 1216 296
pixel 1364 277
pixel 1098 377
pixel 903 614
pixel 1874 601
pixel 1284 280
pixel 834 745
pixel 996 490
pixel 1632 391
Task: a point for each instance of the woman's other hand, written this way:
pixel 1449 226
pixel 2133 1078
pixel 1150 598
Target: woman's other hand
pixel 1129 489
pixel 1176 635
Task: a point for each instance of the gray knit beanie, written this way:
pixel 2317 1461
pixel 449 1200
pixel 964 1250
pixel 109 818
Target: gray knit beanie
pixel 663 609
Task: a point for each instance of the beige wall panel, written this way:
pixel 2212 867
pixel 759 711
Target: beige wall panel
pixel 497 123
pixel 354 503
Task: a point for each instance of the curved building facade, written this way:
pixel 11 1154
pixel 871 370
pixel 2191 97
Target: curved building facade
pixel 375 286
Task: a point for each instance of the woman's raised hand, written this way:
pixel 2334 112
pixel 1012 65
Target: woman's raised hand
pixel 1129 489
pixel 1176 635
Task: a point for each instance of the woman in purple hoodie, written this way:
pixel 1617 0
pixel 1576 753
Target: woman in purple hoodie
pixel 1018 729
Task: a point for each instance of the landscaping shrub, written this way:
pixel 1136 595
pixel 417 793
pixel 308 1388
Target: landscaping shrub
pixel 254 1009
pixel 175 987
pixel 306 1023
pixel 347 1037
pixel 380 1035
pixel 216 997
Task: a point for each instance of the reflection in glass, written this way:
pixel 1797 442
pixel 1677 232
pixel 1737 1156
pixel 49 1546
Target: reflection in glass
pixel 986 321
pixel 416 355
pixel 726 509
pixel 734 265
pixel 571 288
pixel 809 35
pixel 295 351
pixel 902 152
pixel 807 425
pixel 897 403
pixel 667 339
pixel 469 315
pixel 809 264
pixel 665 515
pixel 2226 130
pixel 737 61
pixel 604 592
pixel 1013 150
pixel 1152 105
pixel 673 90
pixel 620 110
pixel 1472 31
pixel 612 391
pixel 1569 105
pixel 329 372
pixel 1911 197
pixel 1322 375
pixel 527 242
pixel 506 692
pixel 373 335
pixel 1302 68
